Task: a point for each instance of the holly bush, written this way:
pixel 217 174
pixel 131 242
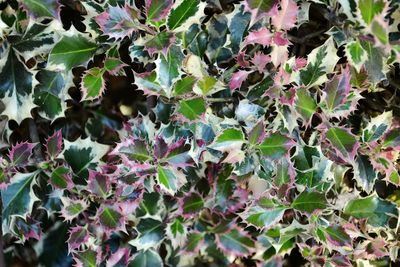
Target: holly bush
pixel 157 133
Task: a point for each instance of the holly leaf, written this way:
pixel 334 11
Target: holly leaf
pixel 181 13
pixel 20 153
pixel 364 173
pixel 54 144
pixel 305 105
pixel 337 91
pixel 356 54
pixel 160 43
pixel 49 94
pixel 377 211
pixel 320 61
pixel 275 146
pixel 93 84
pixel 191 204
pixel 265 216
pixel 42 8
pixel 72 51
pixel 192 109
pixel 151 233
pixel 61 178
pixel 16 86
pixel 309 201
pixel 18 197
pixel 369 9
pixel 146 258
pixel 157 10
pixel 235 242
pixel 343 141
pixel 287 15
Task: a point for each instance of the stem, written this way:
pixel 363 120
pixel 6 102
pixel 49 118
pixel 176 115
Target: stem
pixel 2 262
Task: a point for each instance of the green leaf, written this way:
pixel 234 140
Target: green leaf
pixel 207 84
pixel 257 133
pixel 134 149
pixel 15 87
pixel 161 42
pixel 343 141
pixel 157 9
pixel 305 104
pixel 168 68
pixel 380 32
pixel 60 178
pixel 356 54
pixel 370 8
pixel 87 258
pixel 72 51
pixel 109 217
pixel 49 94
pixel 321 61
pixel 374 63
pixel 336 235
pixel 185 85
pixel 374 209
pixel 81 153
pixel 192 204
pixel 192 108
pixel 377 127
pixel 18 197
pixel 167 178
pixel 228 140
pixel 261 217
pixel 261 6
pixel 193 241
pixel 147 258
pixel 275 146
pixel 364 173
pixel 309 201
pixel 337 91
pixel 392 138
pixel 42 8
pixel 183 12
pixel 235 242
pixel 93 84
pixel 151 232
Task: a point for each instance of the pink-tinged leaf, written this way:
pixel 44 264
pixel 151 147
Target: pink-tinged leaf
pixel 110 218
pixel 72 208
pixel 194 242
pixel 157 10
pixel 99 184
pixel 87 258
pixel 54 144
pixel 132 149
pixel 130 196
pixel 20 153
pixel 392 139
pixel 337 90
pixel 260 9
pixel 160 147
pixel 287 15
pixel 241 60
pixel 78 236
pixel 235 242
pixel 237 79
pixel 61 178
pixel 299 63
pixel 27 229
pixel 190 204
pixel 178 154
pixel 4 178
pixel 343 142
pixel 260 60
pixel 337 237
pixel 257 134
pixel 339 260
pixel 262 37
pixel 118 22
pixel 279 39
pixel 113 65
pixel 281 77
pixel 285 176
pixel 119 258
pixel 160 43
pixel 275 146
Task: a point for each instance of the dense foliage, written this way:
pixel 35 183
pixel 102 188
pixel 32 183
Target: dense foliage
pixel 191 133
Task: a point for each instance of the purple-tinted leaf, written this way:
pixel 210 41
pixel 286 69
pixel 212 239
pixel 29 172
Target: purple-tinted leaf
pixel 160 43
pixel 78 236
pixel 157 10
pixel 235 242
pixel 275 146
pixel 99 184
pixel 61 178
pixel 20 153
pixel 337 90
pixel 257 134
pixel 191 204
pixel 54 144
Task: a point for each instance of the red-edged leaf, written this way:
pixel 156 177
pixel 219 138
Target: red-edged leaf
pixel 20 153
pixel 54 144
